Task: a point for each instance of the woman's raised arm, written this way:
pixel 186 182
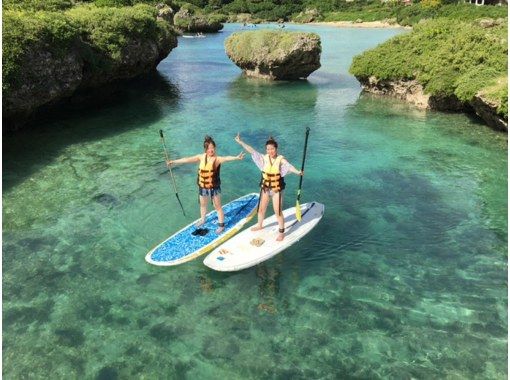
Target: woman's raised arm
pixel 246 147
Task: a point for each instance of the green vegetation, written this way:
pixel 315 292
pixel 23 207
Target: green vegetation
pixel 101 33
pixel 128 3
pixel 37 5
pixel 109 29
pixel 250 46
pixel 341 10
pixel 412 14
pixel 498 94
pixel 267 10
pixel 447 58
pixel 23 32
pixel 190 18
pixel 59 5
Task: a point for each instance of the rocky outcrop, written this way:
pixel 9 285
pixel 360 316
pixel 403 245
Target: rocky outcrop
pixel 487 110
pixel 412 92
pixel 46 79
pixel 49 77
pixel 165 13
pixel 187 21
pixel 240 17
pixel 244 18
pixel 309 15
pixel 275 55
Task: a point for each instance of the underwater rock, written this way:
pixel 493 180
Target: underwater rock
pixel 70 337
pixel 107 200
pixel 94 308
pixel 25 315
pixel 37 243
pixel 107 373
pixel 275 54
pixel 164 332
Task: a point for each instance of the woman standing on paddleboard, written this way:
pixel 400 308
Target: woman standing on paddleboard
pixel 274 167
pixel 208 178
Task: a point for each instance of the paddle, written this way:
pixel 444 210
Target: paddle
pixel 298 207
pixel 170 169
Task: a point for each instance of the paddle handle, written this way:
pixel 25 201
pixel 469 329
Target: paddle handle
pixel 303 164
pixel 170 169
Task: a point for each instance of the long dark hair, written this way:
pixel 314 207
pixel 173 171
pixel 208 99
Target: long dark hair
pixel 272 141
pixel 208 140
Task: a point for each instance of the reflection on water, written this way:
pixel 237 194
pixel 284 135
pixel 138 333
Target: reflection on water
pixel 261 96
pixel 268 288
pixel 130 105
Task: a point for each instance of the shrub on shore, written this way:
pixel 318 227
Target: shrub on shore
pixel 446 58
pixel 411 15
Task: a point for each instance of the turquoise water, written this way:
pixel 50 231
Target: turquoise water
pixel 405 276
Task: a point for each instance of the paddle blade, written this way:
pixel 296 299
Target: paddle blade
pixel 298 211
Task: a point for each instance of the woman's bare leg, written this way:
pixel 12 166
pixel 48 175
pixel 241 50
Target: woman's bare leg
pixel 203 210
pixel 221 218
pixel 264 201
pixel 279 216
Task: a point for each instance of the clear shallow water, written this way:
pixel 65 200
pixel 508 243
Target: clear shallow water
pixel 405 276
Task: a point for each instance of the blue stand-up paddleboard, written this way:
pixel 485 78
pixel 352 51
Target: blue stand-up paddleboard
pixel 192 241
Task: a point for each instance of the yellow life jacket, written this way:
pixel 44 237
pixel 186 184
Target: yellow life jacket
pixel 271 177
pixel 208 174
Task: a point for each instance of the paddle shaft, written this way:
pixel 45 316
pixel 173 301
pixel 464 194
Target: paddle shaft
pixel 303 164
pixel 170 170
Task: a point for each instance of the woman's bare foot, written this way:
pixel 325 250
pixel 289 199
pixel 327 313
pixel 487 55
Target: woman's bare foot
pixel 256 228
pixel 281 234
pixel 200 222
pixel 221 227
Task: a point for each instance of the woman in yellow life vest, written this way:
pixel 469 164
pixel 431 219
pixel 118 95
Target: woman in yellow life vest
pixel 208 178
pixel 274 167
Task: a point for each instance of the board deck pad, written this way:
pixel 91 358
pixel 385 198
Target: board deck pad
pixel 250 248
pixel 191 241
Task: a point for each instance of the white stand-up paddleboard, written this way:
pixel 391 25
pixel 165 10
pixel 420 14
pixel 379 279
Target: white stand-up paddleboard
pixel 191 241
pixel 250 248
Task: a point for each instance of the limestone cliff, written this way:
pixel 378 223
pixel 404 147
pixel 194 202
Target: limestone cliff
pixel 47 76
pixel 412 92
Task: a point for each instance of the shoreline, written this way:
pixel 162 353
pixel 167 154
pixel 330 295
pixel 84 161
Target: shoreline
pixel 353 24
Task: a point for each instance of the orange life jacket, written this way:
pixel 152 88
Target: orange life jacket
pixel 271 176
pixel 208 174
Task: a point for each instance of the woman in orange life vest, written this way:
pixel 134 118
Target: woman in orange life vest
pixel 208 178
pixel 274 167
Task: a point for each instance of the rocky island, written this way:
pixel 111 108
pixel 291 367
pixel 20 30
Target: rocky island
pixel 187 20
pixel 275 55
pixel 444 65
